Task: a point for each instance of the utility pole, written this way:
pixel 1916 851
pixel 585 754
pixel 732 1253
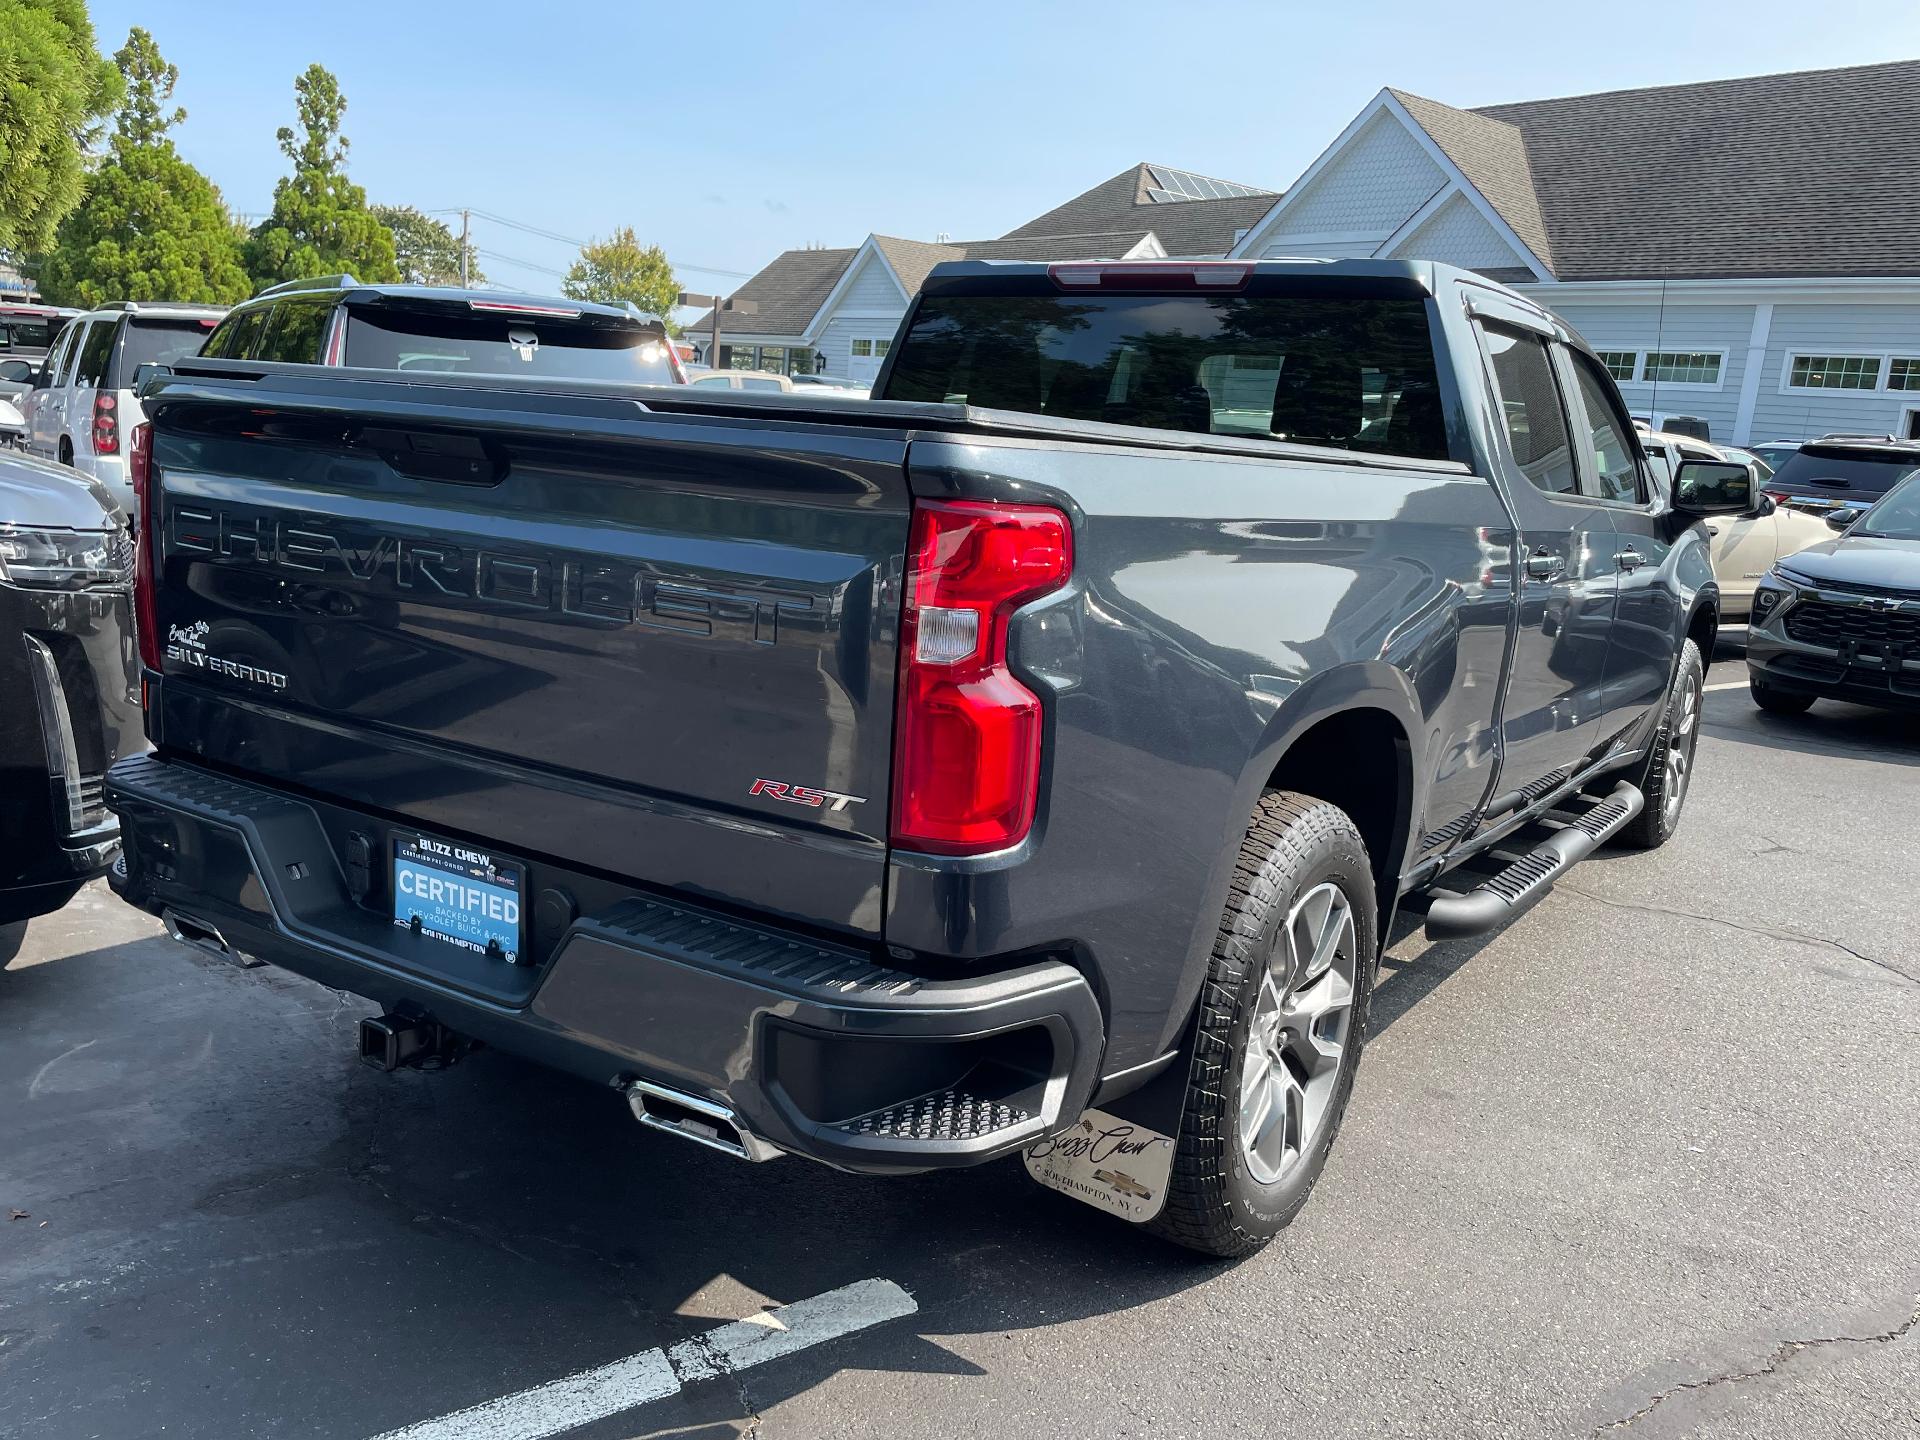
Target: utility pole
pixel 719 303
pixel 465 218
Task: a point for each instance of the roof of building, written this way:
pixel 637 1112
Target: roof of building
pixel 1138 198
pixel 786 293
pixel 1802 174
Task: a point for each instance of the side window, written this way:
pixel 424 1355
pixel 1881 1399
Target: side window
pixel 43 374
pixel 1606 436
pixel 72 340
pixel 1529 401
pixel 293 334
pixel 222 337
pixel 91 369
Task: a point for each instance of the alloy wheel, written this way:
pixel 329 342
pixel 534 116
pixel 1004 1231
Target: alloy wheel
pixel 1680 746
pixel 1299 1033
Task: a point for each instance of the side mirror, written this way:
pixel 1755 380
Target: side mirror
pixel 1713 487
pixel 1842 519
pixel 147 371
pixel 1766 506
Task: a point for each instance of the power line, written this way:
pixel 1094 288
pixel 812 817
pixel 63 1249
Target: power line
pixel 574 241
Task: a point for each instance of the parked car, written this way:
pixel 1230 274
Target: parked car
pixel 839 385
pixel 1848 472
pixel 13 425
pixel 893 783
pixel 1745 547
pixel 27 331
pixel 1776 452
pixel 69 684
pixel 420 329
pixel 764 381
pixel 1841 619
pixel 83 405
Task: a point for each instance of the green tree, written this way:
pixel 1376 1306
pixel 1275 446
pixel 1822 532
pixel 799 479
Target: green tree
pixel 428 251
pixel 320 223
pixel 54 89
pixel 152 227
pixel 620 268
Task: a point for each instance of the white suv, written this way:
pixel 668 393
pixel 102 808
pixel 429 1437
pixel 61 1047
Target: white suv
pixel 81 408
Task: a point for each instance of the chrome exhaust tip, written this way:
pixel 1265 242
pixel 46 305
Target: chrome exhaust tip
pixel 695 1119
pixel 203 936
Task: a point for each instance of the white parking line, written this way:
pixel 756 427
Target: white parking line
pixel 655 1374
pixel 1727 685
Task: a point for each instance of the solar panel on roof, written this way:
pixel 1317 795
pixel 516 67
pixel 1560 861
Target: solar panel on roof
pixel 1170 187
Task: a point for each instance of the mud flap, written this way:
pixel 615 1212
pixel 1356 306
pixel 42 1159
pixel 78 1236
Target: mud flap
pixel 1119 1157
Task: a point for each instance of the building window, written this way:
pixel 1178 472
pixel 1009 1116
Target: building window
pixel 1904 374
pixel 1621 364
pixel 880 348
pixel 1835 372
pixel 744 357
pixel 774 358
pixel 863 349
pixel 1682 367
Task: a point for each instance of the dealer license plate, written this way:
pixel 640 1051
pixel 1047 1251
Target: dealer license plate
pixel 464 897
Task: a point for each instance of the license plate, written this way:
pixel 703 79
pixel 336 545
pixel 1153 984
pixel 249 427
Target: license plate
pixel 464 897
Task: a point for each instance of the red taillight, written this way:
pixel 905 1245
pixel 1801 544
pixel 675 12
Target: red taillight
pixel 146 618
pixel 106 423
pixel 967 739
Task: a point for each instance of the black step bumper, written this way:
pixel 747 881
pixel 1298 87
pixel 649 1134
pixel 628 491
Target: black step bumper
pixel 816 1049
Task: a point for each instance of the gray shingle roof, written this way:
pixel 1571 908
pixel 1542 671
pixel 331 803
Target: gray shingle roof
pixel 1189 227
pixel 787 291
pixel 1810 173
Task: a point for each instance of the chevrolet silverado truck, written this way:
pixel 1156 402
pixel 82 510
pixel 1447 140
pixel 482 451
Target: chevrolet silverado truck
pixel 898 783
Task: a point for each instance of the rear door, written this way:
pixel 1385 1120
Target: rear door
pixel 50 399
pixel 1567 576
pixel 655 647
pixel 1645 636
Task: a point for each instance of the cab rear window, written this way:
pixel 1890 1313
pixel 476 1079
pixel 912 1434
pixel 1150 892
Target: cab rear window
pixel 446 341
pixel 1357 372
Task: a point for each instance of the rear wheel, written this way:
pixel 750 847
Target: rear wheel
pixel 1774 700
pixel 1282 1015
pixel 1669 766
pixel 66 452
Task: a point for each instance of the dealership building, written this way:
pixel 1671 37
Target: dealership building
pixel 1743 251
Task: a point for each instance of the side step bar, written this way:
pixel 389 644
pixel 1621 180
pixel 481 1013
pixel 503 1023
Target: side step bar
pixel 1526 881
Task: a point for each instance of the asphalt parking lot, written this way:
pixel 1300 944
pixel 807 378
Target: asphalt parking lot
pixel 1643 1163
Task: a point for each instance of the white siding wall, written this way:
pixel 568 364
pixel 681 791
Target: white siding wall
pixel 1682 327
pixel 1459 234
pixel 1382 177
pixel 873 288
pixel 1833 330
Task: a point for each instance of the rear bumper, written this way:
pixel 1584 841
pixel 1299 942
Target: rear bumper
pixel 819 1051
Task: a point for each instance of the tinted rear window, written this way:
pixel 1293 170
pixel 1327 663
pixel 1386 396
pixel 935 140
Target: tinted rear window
pixel 1844 470
pixel 162 342
pixel 28 334
pixel 1356 372
pixel 450 342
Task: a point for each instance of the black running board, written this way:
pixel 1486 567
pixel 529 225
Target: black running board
pixel 1527 880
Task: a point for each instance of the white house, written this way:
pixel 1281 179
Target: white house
pixel 1746 251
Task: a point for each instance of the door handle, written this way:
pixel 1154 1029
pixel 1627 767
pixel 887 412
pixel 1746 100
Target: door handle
pixel 1629 559
pixel 1545 565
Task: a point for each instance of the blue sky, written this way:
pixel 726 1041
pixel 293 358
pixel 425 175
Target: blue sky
pixel 728 132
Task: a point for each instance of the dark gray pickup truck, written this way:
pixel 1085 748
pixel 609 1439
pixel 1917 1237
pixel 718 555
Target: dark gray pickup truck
pixel 900 784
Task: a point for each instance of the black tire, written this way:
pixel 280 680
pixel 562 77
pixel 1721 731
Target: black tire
pixel 1295 847
pixel 11 938
pixel 66 452
pixel 1678 737
pixel 1774 700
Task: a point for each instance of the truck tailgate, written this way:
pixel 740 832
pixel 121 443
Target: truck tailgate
pixel 659 647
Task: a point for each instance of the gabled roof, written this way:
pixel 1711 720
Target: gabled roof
pixel 1816 172
pixel 912 259
pixel 1492 155
pixel 788 292
pixel 1128 202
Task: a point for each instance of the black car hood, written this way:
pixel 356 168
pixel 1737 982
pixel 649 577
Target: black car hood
pixel 1860 560
pixel 37 492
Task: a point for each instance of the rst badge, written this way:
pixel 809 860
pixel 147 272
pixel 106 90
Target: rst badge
pixel 804 795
